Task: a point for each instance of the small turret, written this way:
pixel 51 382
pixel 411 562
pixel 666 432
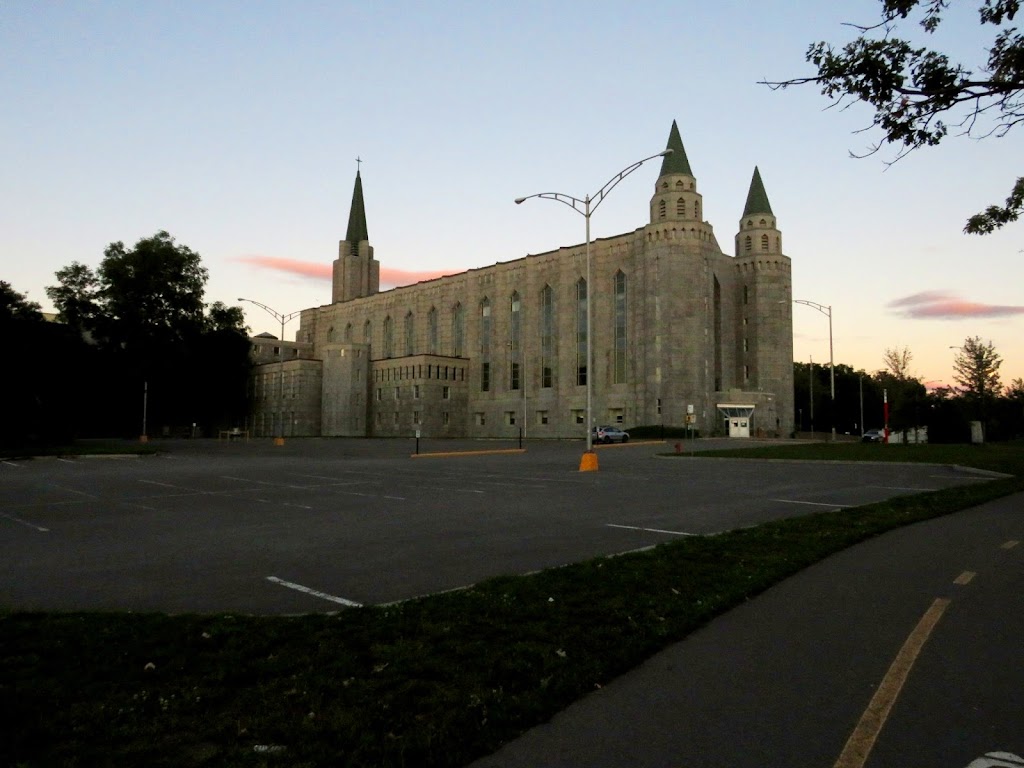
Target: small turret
pixel 758 232
pixel 675 193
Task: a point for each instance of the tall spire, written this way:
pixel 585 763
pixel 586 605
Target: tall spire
pixel 757 198
pixel 357 216
pixel 676 162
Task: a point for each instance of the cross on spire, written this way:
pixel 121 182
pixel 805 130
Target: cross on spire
pixel 358 163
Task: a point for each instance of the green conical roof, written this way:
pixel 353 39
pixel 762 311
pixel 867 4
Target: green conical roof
pixel 357 215
pixel 676 162
pixel 757 198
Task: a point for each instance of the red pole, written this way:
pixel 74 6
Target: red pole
pixel 885 410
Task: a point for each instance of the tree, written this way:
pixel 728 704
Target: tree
pixel 143 309
pixel 897 362
pixel 976 369
pixel 15 307
pixel 914 90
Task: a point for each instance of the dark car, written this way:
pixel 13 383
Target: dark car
pixel 610 435
pixel 873 436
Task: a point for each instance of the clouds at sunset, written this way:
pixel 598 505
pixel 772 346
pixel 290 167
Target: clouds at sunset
pixel 941 305
pixel 389 277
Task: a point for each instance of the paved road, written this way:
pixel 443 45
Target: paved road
pixel 785 679
pixel 319 524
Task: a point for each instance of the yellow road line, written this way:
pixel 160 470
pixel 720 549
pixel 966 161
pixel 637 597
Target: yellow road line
pixel 965 578
pixel 863 738
pixel 1010 544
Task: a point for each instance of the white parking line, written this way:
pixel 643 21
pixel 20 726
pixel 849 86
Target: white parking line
pixel 652 530
pixel 12 464
pixel 811 503
pixel 314 592
pixel 25 522
pixel 900 488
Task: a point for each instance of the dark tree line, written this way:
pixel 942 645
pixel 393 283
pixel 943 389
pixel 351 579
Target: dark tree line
pixel 947 412
pixel 134 333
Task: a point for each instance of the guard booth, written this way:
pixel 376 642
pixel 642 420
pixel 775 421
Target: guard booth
pixel 737 417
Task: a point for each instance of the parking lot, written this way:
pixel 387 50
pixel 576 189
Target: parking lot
pixel 317 525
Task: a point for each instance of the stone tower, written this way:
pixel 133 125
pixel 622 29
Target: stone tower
pixel 764 302
pixel 355 272
pixel 675 197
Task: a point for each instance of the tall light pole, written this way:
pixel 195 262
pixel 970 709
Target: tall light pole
pixel 586 207
pixel 282 318
pixel 826 310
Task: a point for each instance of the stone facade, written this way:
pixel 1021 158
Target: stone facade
pixel 677 326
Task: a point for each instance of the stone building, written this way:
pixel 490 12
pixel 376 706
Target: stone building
pixel 682 333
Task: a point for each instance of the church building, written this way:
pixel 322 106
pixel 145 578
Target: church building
pixel 682 333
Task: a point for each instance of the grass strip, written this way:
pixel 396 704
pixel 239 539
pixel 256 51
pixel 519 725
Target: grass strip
pixel 436 681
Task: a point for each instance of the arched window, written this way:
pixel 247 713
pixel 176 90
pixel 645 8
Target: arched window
pixel 367 332
pixel 661 209
pixel 330 334
pixel 458 329
pixel 547 337
pixel 432 340
pixel 409 334
pixel 389 337
pixel 747 243
pixel 485 345
pixel 515 342
pixel 696 210
pixel 680 207
pixel 581 331
pixel 619 330
pixel 764 242
pixel 348 333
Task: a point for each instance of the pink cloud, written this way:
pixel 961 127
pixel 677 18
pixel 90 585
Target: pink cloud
pixel 389 276
pixel 938 305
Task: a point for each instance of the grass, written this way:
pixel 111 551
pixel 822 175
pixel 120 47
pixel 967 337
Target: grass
pixel 437 681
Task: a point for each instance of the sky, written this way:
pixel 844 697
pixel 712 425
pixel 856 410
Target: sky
pixel 236 127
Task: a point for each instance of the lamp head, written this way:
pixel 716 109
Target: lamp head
pixel 665 152
pixel 519 200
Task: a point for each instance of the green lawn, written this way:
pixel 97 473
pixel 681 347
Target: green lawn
pixel 432 682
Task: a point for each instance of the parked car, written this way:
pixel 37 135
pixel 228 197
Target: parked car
pixel 610 435
pixel 873 436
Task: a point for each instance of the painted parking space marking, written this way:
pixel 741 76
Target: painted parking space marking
pixel 1009 544
pixel 314 592
pixel 13 464
pixel 72 490
pixel 651 530
pixel 901 488
pixel 265 482
pixel 26 523
pixel 965 578
pixel 862 740
pixel 811 503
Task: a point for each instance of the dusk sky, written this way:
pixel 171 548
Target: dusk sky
pixel 235 126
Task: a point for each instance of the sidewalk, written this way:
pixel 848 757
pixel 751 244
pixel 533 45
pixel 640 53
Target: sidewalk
pixel 784 679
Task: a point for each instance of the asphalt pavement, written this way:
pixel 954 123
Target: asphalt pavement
pixel 905 650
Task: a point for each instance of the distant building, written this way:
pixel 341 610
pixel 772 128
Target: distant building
pixel 678 327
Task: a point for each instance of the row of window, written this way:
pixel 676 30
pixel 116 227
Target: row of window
pixel 748 243
pixel 402 372
pixel 446 393
pixel 680 208
pixel 514 346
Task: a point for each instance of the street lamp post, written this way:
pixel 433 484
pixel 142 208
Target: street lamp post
pixel 282 318
pixel 826 310
pixel 586 207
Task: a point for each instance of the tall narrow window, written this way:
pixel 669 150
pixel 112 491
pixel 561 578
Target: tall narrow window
pixel 409 334
pixel 515 344
pixel 764 242
pixel 458 329
pixel 581 332
pixel 389 337
pixel 367 332
pixel 547 337
pixel 348 333
pixel 680 207
pixel 696 210
pixel 661 209
pixel 432 331
pixel 619 362
pixel 746 243
pixel 485 345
